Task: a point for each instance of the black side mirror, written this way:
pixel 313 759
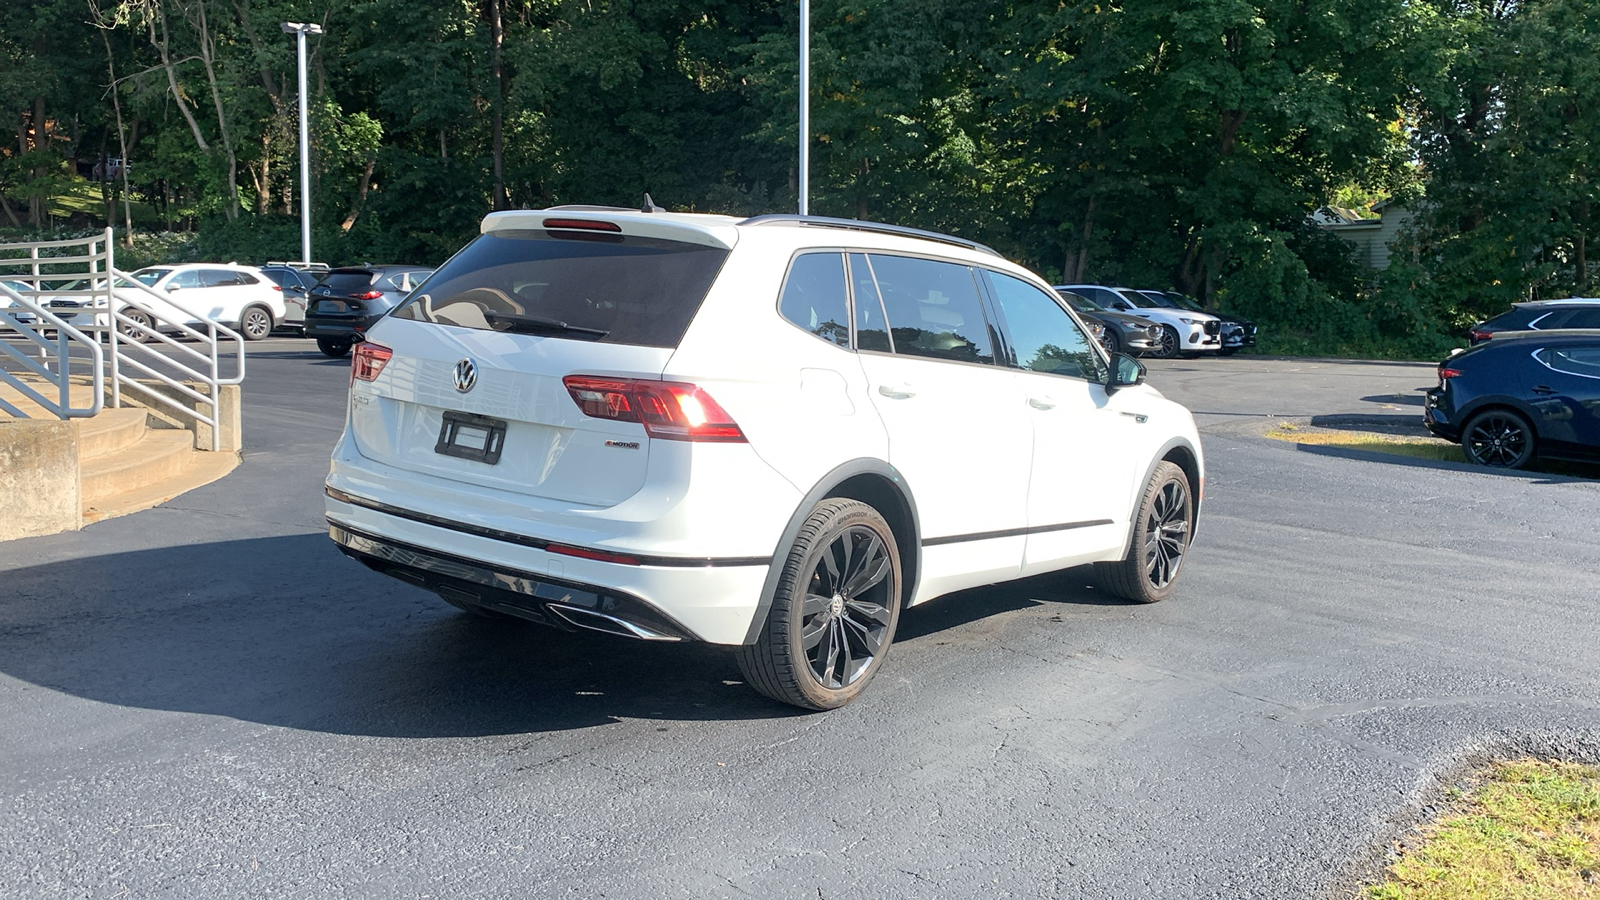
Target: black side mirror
pixel 1124 371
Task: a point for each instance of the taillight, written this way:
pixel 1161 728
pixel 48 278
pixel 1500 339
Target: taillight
pixel 1446 373
pixel 1477 335
pixel 671 410
pixel 369 295
pixel 368 360
pixel 582 225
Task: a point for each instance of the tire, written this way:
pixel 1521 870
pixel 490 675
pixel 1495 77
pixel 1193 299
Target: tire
pixel 1498 438
pixel 834 613
pixel 334 348
pixel 1161 530
pixel 140 317
pixel 255 322
pixel 1111 341
pixel 1169 345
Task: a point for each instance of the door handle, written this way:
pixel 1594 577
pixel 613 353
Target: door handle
pixel 898 390
pixel 1141 418
pixel 1042 402
pixel 1543 389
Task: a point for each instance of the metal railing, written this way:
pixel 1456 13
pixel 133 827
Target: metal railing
pixel 137 320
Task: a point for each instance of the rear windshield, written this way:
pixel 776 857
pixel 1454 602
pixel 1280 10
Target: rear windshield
pixel 613 288
pixel 348 281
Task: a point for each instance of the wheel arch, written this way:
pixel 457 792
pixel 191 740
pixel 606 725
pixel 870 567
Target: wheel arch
pixel 873 482
pixel 1182 454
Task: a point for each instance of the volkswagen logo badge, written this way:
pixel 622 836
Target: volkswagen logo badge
pixel 465 375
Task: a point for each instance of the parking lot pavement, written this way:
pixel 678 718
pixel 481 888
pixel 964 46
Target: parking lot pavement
pixel 206 700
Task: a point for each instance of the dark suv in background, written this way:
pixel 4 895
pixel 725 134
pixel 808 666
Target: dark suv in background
pixel 295 279
pixel 346 302
pixel 1540 315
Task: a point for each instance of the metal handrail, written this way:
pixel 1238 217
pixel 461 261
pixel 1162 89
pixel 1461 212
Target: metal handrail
pixel 112 293
pixel 66 334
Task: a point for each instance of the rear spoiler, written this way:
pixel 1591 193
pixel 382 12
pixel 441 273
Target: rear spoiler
pixel 709 231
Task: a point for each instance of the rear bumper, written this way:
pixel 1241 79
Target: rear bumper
pixel 348 327
pixel 1438 418
pixel 660 598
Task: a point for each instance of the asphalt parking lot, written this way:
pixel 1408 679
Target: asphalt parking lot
pixel 205 699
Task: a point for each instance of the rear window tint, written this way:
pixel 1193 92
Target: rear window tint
pixel 640 291
pixel 348 281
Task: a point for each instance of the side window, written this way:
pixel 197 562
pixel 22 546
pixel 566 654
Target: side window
pixel 933 309
pixel 872 332
pixel 189 278
pixel 217 278
pixel 814 297
pixel 1584 361
pixel 1108 299
pixel 1584 318
pixel 1045 337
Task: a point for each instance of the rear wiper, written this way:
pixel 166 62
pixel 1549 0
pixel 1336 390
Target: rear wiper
pixel 523 323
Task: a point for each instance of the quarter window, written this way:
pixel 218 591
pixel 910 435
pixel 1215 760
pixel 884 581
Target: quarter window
pixel 933 309
pixel 1584 361
pixel 1043 335
pixel 814 297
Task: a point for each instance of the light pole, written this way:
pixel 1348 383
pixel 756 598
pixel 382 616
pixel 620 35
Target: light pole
pixel 805 104
pixel 300 31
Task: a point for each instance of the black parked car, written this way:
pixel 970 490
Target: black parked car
pixel 296 280
pixel 1540 315
pixel 1516 398
pixel 344 304
pixel 1237 333
pixel 1121 333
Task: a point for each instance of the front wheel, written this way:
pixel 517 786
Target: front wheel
pixel 1167 344
pixel 333 348
pixel 1499 438
pixel 1161 529
pixel 834 612
pixel 1111 340
pixel 140 328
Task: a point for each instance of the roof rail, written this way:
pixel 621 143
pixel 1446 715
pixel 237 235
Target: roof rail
pixel 876 227
pixel 1547 333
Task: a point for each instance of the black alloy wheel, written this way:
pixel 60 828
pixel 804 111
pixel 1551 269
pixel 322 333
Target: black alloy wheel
pixel 1167 343
pixel 834 613
pixel 1110 340
pixel 1498 438
pixel 256 323
pixel 334 348
pixel 1161 531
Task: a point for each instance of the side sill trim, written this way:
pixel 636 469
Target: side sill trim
pixel 1012 532
pixel 522 540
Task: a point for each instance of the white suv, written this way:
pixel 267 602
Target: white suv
pixel 770 433
pixel 232 294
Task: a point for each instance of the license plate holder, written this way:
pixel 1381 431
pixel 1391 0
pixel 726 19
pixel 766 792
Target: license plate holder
pixel 471 436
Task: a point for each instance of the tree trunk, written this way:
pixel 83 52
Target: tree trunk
pixel 172 76
pixel 122 136
pixel 1081 263
pixel 361 196
pixel 36 203
pixel 208 58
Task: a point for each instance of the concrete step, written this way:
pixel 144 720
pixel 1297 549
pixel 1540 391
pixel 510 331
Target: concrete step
pixel 200 468
pixel 110 431
pixel 158 455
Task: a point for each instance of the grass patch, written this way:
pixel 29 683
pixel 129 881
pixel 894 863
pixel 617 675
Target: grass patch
pixel 1520 830
pixel 1419 447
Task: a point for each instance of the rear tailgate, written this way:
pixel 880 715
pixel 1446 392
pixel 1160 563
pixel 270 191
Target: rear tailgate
pixel 522 308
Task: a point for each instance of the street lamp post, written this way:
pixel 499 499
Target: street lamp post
pixel 805 104
pixel 300 30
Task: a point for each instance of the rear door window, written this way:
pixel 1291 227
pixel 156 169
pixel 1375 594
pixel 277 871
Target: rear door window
pixel 618 289
pixel 872 331
pixel 933 309
pixel 1583 361
pixel 814 297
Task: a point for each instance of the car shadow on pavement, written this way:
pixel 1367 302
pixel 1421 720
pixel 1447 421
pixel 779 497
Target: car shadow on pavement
pixel 1569 472
pixel 284 631
pixel 951 611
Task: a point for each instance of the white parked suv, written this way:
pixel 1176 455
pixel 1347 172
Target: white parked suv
pixel 1182 330
pixel 238 296
pixel 771 433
